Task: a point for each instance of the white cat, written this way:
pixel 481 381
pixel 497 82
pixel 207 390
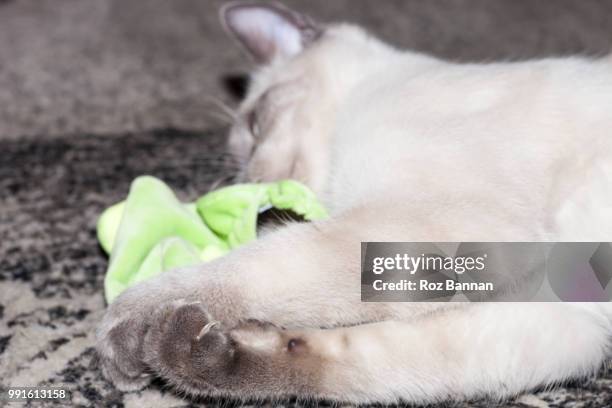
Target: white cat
pixel 400 146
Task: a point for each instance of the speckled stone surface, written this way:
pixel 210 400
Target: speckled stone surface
pixel 84 85
pixel 51 268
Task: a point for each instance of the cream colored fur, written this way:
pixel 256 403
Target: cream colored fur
pixel 405 147
pixel 444 152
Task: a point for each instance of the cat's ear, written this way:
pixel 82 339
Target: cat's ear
pixel 268 30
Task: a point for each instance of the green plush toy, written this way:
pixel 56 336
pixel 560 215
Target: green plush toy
pixel 152 231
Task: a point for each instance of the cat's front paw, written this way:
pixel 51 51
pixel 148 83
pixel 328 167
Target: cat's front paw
pixel 195 353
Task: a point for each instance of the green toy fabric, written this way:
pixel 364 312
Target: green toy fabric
pixel 152 231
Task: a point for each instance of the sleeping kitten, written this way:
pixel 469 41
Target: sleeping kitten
pixel 400 146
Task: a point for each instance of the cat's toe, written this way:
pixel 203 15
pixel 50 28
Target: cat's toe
pixel 186 345
pixel 120 353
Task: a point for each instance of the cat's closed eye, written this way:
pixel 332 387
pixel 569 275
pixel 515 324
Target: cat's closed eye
pixel 253 124
pixel 270 105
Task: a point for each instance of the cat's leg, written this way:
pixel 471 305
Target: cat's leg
pixel 303 275
pixel 495 350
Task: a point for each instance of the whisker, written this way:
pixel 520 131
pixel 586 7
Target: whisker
pixel 224 108
pixel 220 182
pixel 222 117
pixel 227 163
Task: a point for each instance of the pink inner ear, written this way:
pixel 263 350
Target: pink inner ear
pixel 264 32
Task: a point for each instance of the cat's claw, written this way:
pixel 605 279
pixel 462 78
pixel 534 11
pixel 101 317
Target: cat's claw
pixel 206 329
